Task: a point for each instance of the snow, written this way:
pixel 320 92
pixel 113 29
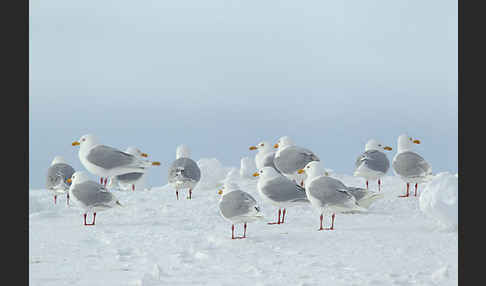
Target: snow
pixel 247 167
pixel 156 240
pixel 439 200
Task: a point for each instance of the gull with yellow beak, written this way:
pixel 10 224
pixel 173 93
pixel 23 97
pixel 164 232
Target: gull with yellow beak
pixel 279 190
pixel 90 195
pixel 106 161
pixel 130 179
pixel 184 172
pixel 326 194
pixel 289 158
pixel 57 175
pixel 265 155
pixel 238 207
pixel 373 163
pixel 410 166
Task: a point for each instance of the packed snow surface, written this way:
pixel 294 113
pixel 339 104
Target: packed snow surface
pixel 439 200
pixel 154 239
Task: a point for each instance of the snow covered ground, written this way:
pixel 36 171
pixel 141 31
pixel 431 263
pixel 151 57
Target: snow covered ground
pixel 156 240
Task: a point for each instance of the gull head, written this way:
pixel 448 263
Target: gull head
pixel 373 144
pixel 183 151
pixel 266 173
pixel 312 169
pixel 78 177
pixel 406 142
pixel 262 146
pixel 283 142
pixel 228 187
pixel 86 141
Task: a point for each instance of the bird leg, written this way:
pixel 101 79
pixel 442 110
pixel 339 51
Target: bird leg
pixel 332 222
pixel 101 180
pixel 55 199
pixel 190 194
pixel 232 231
pixel 416 189
pixel 283 216
pixel 366 184
pixel 177 193
pixel 94 217
pixel 379 185
pixel 278 221
pixel 407 194
pixel 106 179
pixel 67 198
pixel 133 187
pixel 244 233
pixel 321 228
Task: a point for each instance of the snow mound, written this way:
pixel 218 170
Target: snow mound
pixel 247 167
pixel 439 200
pixel 212 173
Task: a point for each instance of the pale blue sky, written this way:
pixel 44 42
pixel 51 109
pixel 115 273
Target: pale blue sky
pixel 220 76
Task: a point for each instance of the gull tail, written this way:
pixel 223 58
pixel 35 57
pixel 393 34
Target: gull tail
pixel 367 200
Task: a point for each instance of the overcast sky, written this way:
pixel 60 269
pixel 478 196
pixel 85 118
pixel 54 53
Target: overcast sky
pixel 220 76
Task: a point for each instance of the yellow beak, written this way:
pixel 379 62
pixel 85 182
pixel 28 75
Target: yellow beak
pixel 75 143
pixel 220 192
pixel 300 171
pixel 256 174
pixel 416 141
pixel 388 148
pixel 144 155
pixel 276 145
pixel 253 148
pixel 69 180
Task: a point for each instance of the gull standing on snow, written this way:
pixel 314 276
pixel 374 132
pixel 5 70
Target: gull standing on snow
pixel 264 156
pixel 373 163
pixel 90 195
pixel 184 172
pixel 290 158
pixel 410 166
pixel 57 175
pixel 279 191
pixel 133 178
pixel 237 207
pixel 106 161
pixel 327 194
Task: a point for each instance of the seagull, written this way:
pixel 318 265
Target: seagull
pixel 265 155
pixel 327 194
pixel 184 172
pixel 57 175
pixel 290 158
pixel 90 195
pixel 237 207
pixel 279 191
pixel 106 161
pixel 410 166
pixel 130 178
pixel 373 163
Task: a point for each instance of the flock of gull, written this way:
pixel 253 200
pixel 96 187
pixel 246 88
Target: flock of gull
pixel 288 175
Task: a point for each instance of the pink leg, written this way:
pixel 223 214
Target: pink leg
pixel 101 181
pixel 85 219
pixel 416 185
pixel 133 187
pixel 190 193
pixel 177 194
pixel 332 222
pixel 244 233
pixel 379 185
pixel 94 217
pixel 55 199
pixel 366 184
pixel 67 198
pixel 106 179
pixel 302 183
pixel 407 194
pixel 278 221
pixel 283 216
pixel 232 231
pixel 321 228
